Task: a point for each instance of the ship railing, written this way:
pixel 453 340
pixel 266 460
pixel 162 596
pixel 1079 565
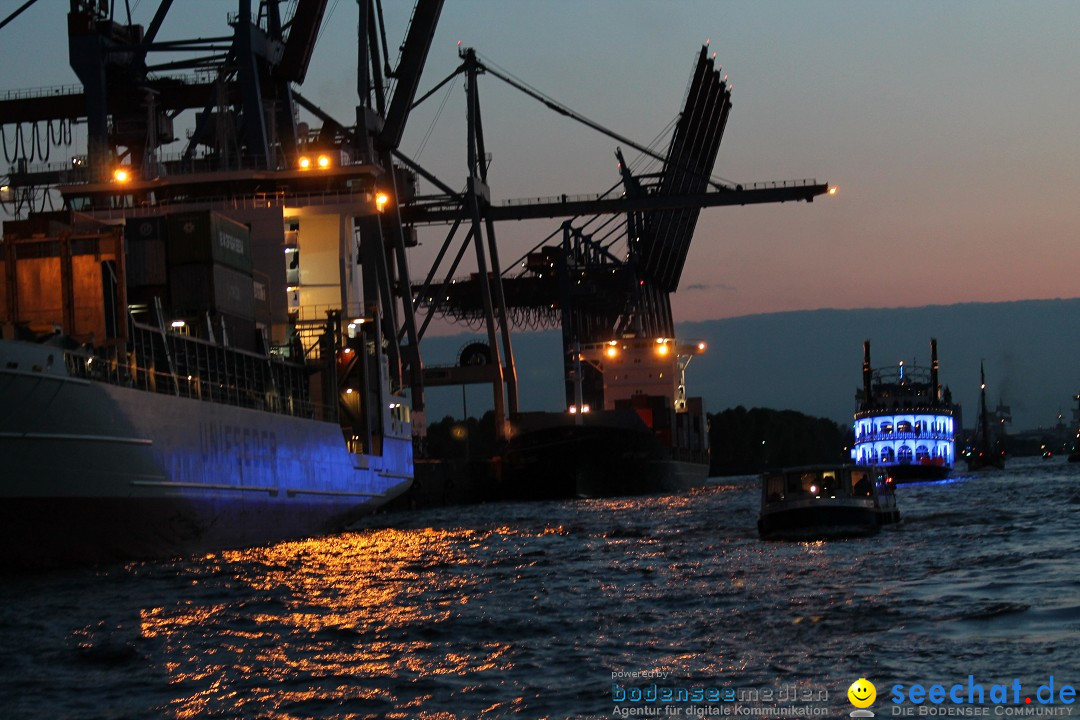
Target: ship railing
pixel 904 435
pixel 202 372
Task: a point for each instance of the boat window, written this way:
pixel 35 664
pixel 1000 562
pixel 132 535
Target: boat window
pixel 774 488
pixel 802 484
pixel 860 483
pixel 903 426
pixel 886 428
pixel 903 454
pixel 922 453
pixel 887 455
pixel 828 485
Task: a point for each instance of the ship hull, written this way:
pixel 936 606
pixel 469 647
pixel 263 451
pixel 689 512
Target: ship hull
pixel 98 472
pixel 918 472
pixel 837 520
pixel 611 454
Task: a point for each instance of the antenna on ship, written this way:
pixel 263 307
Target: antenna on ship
pixel 934 369
pixel 867 373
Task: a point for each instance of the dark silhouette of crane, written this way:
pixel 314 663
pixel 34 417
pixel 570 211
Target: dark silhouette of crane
pixel 582 282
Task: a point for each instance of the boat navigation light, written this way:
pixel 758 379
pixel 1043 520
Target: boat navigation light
pixel 573 409
pixel 813 489
pixel 585 408
pixel 701 346
pixel 832 190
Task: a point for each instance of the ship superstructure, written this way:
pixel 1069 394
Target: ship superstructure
pixel 904 420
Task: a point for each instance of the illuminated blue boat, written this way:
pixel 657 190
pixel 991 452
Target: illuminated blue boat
pixel 904 421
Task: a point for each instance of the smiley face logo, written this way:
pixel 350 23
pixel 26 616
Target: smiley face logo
pixel 862 693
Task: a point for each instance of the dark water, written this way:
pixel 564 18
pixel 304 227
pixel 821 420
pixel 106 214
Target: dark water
pixel 526 610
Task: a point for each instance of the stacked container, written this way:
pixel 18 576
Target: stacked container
pixel 146 262
pixel 209 259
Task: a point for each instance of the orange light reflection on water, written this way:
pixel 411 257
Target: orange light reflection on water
pixel 338 611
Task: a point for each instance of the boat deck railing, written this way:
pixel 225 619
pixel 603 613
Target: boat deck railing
pixel 904 435
pixel 174 364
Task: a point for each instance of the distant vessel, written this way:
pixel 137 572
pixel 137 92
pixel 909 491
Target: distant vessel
pixel 904 421
pixel 986 450
pixel 648 438
pixel 820 501
pixel 146 429
pixel 1074 456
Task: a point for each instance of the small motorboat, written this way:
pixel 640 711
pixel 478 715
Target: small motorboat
pixel 823 501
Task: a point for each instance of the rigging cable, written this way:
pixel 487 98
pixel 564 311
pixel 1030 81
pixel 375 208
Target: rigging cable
pixel 438 114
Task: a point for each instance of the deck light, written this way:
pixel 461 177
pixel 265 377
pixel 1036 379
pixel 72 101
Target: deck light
pixel 381 199
pixel 121 175
pixel 323 161
pixel 304 163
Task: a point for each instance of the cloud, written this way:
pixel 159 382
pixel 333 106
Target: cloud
pixel 709 286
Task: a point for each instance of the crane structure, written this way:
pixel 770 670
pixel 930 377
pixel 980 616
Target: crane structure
pixel 609 270
pixel 345 190
pixel 321 194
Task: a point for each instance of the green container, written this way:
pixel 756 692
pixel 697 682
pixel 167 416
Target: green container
pixel 207 237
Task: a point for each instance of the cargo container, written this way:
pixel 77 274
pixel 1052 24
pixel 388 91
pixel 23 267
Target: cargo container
pixel 146 261
pixel 261 287
pixel 240 332
pixel 196 289
pixel 202 238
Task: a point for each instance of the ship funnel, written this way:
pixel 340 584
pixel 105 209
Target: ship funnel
pixel 934 369
pixel 867 374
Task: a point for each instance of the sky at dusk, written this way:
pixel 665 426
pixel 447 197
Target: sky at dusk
pixel 949 129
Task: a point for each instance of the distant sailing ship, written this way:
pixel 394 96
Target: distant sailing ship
pixel 904 421
pixel 986 449
pixel 1074 456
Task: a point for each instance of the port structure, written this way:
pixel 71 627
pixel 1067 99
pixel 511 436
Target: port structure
pixel 609 269
pixel 329 196
pixel 346 191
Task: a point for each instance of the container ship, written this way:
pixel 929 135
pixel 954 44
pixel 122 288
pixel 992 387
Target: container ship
pixel 648 437
pixel 163 392
pixel 904 421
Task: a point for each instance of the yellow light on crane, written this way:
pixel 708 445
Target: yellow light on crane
pixel 832 190
pixel 304 163
pixel 323 161
pixel 381 199
pixel 121 175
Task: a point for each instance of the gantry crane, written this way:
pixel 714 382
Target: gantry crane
pixel 245 142
pixel 581 282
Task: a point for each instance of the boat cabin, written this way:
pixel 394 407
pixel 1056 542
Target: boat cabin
pixel 826 500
